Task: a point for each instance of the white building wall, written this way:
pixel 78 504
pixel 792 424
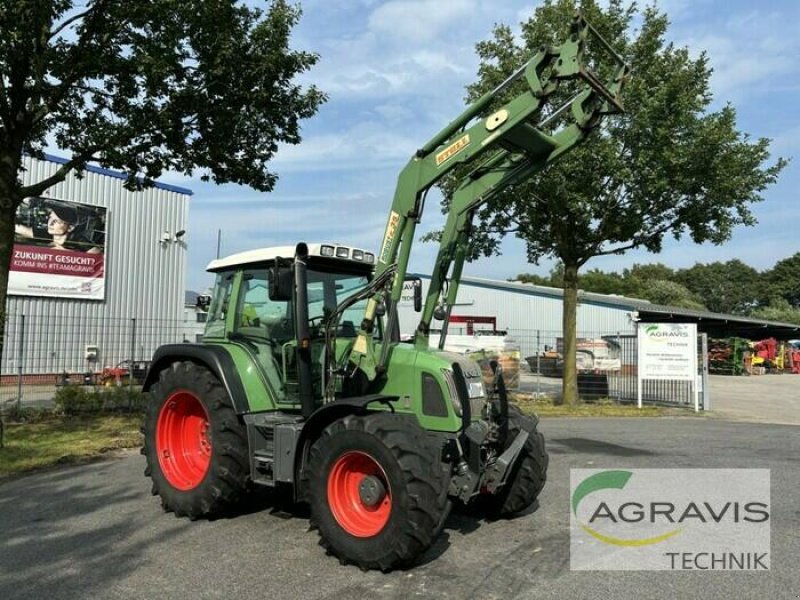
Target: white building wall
pixel 145 280
pixel 531 314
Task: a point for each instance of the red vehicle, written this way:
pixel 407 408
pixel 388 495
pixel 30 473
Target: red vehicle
pixel 122 373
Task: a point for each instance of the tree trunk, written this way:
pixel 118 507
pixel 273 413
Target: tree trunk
pixel 569 386
pixel 9 200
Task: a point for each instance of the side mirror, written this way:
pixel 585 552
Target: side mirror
pixel 417 295
pixel 203 302
pixel 440 313
pixel 281 282
pixel 380 309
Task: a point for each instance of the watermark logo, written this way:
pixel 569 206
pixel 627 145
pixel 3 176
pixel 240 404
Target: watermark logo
pixel 670 519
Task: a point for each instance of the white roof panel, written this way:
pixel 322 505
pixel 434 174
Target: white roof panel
pixel 268 254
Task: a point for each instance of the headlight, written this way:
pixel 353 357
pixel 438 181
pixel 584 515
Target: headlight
pixel 476 389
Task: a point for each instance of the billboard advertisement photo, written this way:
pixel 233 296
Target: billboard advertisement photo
pixel 59 250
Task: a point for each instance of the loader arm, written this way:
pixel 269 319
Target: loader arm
pixel 506 147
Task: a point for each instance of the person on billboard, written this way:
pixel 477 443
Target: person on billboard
pixel 62 230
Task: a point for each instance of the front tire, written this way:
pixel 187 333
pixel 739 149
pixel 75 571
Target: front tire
pixel 194 443
pixel 528 475
pixel 377 490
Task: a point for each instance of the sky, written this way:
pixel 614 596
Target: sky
pixel 395 73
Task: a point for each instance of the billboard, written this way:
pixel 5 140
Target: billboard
pixel 59 250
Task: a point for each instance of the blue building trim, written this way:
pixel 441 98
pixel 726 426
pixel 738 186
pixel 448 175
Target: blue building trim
pixel 118 175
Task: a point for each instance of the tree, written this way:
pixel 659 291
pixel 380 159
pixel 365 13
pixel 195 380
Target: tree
pixel 730 287
pixel 783 281
pixel 553 278
pixel 670 293
pixel 533 279
pixel 669 166
pixel 600 282
pixel 145 87
pixel 778 310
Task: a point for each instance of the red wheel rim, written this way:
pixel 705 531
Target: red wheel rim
pixel 355 516
pixel 182 443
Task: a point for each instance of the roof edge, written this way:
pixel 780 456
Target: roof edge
pixel 119 175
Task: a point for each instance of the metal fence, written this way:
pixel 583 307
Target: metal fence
pixel 607 368
pixel 43 352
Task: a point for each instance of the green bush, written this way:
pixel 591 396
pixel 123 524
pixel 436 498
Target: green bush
pixel 81 400
pixel 28 414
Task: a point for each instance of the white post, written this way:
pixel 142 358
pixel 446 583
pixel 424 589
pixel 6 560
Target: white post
pixel 638 365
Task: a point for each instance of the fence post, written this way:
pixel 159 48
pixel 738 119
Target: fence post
pixel 20 354
pixel 704 366
pixel 619 373
pixel 133 353
pixel 538 366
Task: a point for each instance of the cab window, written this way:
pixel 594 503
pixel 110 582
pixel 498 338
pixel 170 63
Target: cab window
pixel 218 310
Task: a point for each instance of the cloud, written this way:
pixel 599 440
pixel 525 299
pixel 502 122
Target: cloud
pixel 747 51
pixel 364 69
pixel 364 143
pixel 414 21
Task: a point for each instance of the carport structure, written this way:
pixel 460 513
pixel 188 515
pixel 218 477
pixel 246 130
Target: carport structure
pixel 717 325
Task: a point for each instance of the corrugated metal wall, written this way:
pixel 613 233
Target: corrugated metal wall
pixel 144 280
pixel 534 319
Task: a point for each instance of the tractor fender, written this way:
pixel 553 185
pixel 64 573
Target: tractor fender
pixel 320 419
pixel 214 358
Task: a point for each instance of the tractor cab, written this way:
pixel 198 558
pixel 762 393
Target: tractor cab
pixel 254 306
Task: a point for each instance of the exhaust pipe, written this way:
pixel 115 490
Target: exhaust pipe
pixel 303 334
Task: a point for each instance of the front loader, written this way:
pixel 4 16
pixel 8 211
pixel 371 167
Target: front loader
pixel 302 384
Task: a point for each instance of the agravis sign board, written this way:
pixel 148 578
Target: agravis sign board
pixel 667 352
pixel 59 250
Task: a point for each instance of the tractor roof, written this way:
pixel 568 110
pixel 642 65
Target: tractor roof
pixel 341 252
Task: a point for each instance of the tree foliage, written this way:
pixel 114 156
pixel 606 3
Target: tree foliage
pixel 778 310
pixel 145 87
pixel 730 287
pixel 669 166
pixel 783 281
pixel 656 283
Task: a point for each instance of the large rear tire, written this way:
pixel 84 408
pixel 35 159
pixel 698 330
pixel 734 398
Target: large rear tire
pixel 377 490
pixel 194 443
pixel 528 475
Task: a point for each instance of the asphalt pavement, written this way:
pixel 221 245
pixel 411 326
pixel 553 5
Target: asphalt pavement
pixel 94 531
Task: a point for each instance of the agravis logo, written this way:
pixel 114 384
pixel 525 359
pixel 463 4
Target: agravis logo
pixel 668 519
pixel 612 480
pixel 666 333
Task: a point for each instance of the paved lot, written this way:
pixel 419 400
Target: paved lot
pixel 95 532
pixel 763 399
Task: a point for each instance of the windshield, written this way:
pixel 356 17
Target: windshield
pixel 327 290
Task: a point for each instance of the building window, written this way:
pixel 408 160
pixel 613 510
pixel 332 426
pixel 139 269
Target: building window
pixel 202 317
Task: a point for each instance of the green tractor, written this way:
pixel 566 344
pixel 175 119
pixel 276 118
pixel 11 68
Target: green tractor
pixel 301 383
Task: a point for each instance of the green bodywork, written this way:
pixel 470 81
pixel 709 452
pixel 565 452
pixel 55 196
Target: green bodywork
pixel 489 152
pixel 497 142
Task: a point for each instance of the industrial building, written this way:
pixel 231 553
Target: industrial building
pixel 532 315
pixel 98 274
